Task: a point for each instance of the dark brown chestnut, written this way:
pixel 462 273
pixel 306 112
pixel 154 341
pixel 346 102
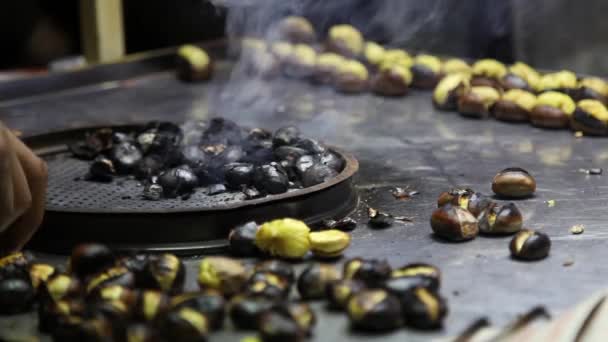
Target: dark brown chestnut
pixel 474 202
pixel 449 89
pixel 514 182
pixel 16 296
pixel 268 284
pixel 592 88
pixel 352 77
pixel 426 71
pixel 515 106
pixel 454 196
pixel 392 80
pixel 165 272
pixel 530 245
pixel 590 117
pixel 339 292
pixel 185 324
pixel 379 219
pixel 89 259
pixel 478 102
pixel 373 272
pixel 453 223
pixel 141 332
pixel 423 308
pixel 488 73
pixel 296 30
pixel 210 303
pixel 150 305
pixel 552 110
pixel 414 275
pixel 225 275
pixel 242 239
pixel 345 40
pixel 500 219
pixel 51 313
pixel 193 64
pixel 314 279
pixel 276 326
pixel 245 311
pixel 117 275
pixel 374 310
pixel 302 314
pixel 276 266
pixel 521 76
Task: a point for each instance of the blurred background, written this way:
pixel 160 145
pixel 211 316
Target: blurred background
pixel 550 34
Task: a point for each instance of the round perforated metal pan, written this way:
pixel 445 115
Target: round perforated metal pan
pixel 115 213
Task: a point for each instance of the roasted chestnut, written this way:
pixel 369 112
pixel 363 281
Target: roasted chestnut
pixel 148 166
pixel 286 238
pixel 226 275
pixel 209 303
pixel 514 182
pixel 296 30
pixel 242 239
pixel 125 156
pixel 449 89
pixel 478 101
pixel 271 178
pixel 177 182
pixel 279 267
pixel 193 64
pixel 373 54
pixel 552 110
pixel 89 259
pixel 392 80
pixel 329 243
pixel 74 328
pixel 339 292
pixel 314 279
pixel 60 286
pixel 456 66
pixel 410 276
pixel 141 332
pixel 380 220
pixel 372 272
pixel 185 325
pixel 426 71
pixel 269 285
pixel 216 189
pixel 500 219
pixel 374 310
pixel 101 170
pixel 488 73
pixel 14 265
pixel 238 174
pixel 521 76
pixel 453 223
pixel 114 293
pixel 345 40
pixel 530 245
pixel 396 57
pixel 51 314
pixel 592 88
pixel 150 305
pixel 562 81
pixel 118 275
pixel 16 296
pixel 423 308
pixel 352 77
pixel 590 117
pixel 40 273
pixel 301 62
pixel 276 326
pixel 152 192
pixel 245 311
pixel 288 135
pixel 317 173
pixel 164 272
pixel 326 67
pixel 346 224
pixel 302 314
pixel 474 202
pixel 514 105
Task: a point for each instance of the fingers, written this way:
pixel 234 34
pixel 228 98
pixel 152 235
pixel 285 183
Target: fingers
pixel 15 197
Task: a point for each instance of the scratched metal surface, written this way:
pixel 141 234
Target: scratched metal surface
pixel 399 142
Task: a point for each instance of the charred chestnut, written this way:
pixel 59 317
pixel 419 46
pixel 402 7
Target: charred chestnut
pixel 269 285
pixel 279 267
pixel 521 76
pixel 329 243
pixel 372 272
pixel 562 81
pixel 423 308
pixel 374 310
pixel 102 170
pixel 286 238
pixel 296 30
pixel 339 292
pixel 117 275
pixel 449 89
pixel 453 223
pixel 426 71
pixel 497 219
pixel 276 326
pixel 152 192
pixel 177 182
pixel 164 272
pixel 185 325
pixel 392 80
pixel 514 182
pixel 592 88
pixel 285 136
pixel 590 117
pixel 352 77
pixel 125 157
pixel 223 274
pixel 410 276
pixel 242 239
pixel 148 166
pixel 455 66
pixel 488 73
pixel 552 110
pixel 193 64
pixel 88 259
pixel 478 101
pixel 515 105
pixel 380 220
pixel 530 245
pixel 314 279
pixel 345 40
pixel 16 296
pixel 300 62
pixel 271 178
pixel 245 311
pixel 209 303
pixel 238 174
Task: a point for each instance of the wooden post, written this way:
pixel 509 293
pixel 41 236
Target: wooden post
pixel 102 33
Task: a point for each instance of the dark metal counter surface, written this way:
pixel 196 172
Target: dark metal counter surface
pixel 399 142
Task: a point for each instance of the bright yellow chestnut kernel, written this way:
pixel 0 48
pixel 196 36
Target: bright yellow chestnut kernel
pixel 429 61
pixel 455 65
pixel 594 108
pixel 349 36
pixel 196 56
pixel 527 73
pixel 522 98
pixel 329 243
pixel 305 54
pixel 489 68
pixel 286 238
pixel 556 100
pixel 558 80
pixel 488 95
pixel 374 53
pixel 329 59
pixel 447 84
pixel 354 68
pixel 223 274
pixel 596 84
pixel 281 50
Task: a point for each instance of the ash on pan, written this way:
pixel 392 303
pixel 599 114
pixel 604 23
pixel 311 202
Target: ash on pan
pixel 173 161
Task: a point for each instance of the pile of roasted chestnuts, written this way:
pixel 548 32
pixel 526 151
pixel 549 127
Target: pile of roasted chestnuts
pixel 172 161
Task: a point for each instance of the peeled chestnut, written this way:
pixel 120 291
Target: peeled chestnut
pixel 410 276
pixel 478 101
pixel 296 30
pixel 352 77
pixel 275 326
pixel 530 245
pixel 193 64
pixel 242 239
pixel 590 117
pixel 279 267
pixel 16 296
pixel 453 223
pixel 209 303
pixel 392 80
pixel 488 73
pixel 514 182
pixel 592 88
pixel 500 219
pixel 449 89
pixel 269 285
pixel 326 67
pixel 314 279
pixel 426 71
pixel 373 272
pixel 423 308
pixel 345 40
pixel 225 275
pixel 339 292
pixel 521 76
pixel 286 238
pixel 245 311
pixel 515 105
pixel 184 325
pixel 374 310
pixel 552 110
pixel 329 243
pixel 164 272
